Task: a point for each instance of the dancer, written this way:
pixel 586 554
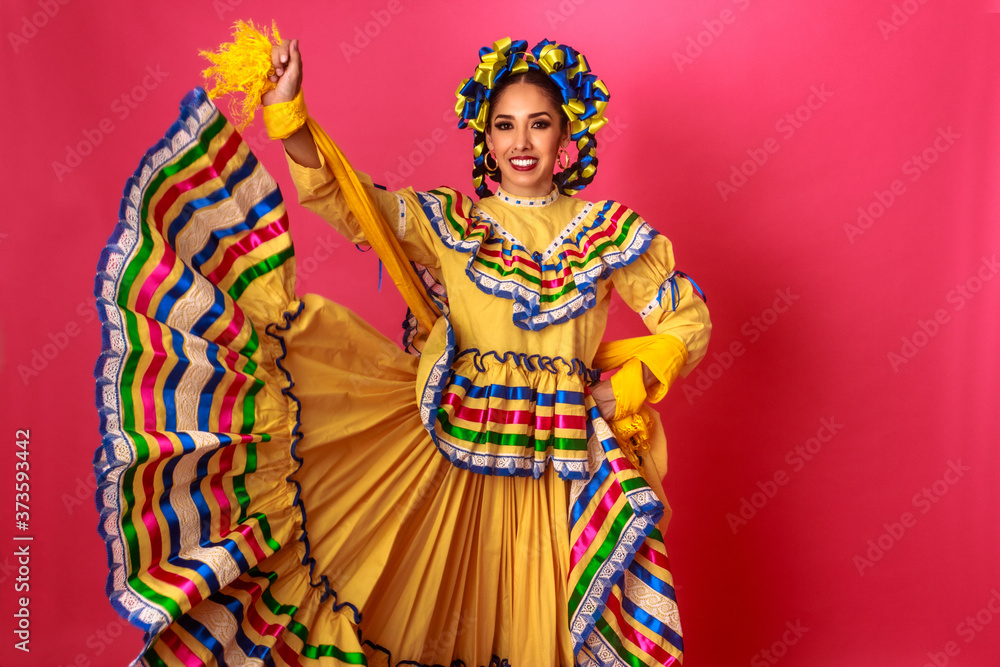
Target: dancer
pixel 281 484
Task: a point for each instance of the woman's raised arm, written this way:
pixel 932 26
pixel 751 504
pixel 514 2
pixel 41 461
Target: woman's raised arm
pixel 287 61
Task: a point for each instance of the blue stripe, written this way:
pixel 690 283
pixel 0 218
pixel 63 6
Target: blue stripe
pixel 173 523
pixel 654 624
pixel 172 380
pixel 191 207
pixel 593 486
pixel 178 290
pixel 503 392
pixel 266 205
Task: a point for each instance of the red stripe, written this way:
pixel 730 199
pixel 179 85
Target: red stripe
pixel 634 635
pixel 234 328
pixel 593 526
pixel 501 416
pixel 510 260
pixel 179 649
pixel 215 484
pixel 249 241
pixel 261 626
pixel 167 200
pixel 656 557
pixel 605 231
pixel 211 171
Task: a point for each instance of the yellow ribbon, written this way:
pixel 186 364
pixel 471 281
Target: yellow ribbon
pixel 665 356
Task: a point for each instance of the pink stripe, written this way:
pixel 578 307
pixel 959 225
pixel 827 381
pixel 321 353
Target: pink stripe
pixel 154 280
pixel 576 422
pixel 147 387
pixel 500 416
pixel 510 261
pixel 174 643
pixel 215 483
pixel 211 171
pixel 233 330
pixel 249 241
pixel 594 524
pixel 261 626
pixel 634 635
pixel 656 557
pixel 239 379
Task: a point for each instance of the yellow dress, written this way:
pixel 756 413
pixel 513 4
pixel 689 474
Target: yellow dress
pixel 280 484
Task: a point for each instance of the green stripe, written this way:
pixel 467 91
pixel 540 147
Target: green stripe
pixel 447 213
pixel 265 528
pixel 510 439
pixel 601 555
pixel 615 640
pixel 249 419
pixel 632 484
pixel 617 241
pixel 259 269
pixel 191 155
pixel 152 658
pixel 239 485
pixel 136 352
pixel 300 630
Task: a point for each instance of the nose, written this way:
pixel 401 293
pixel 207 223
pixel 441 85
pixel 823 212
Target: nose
pixel 522 139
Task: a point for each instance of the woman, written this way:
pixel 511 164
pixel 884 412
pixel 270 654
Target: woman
pixel 312 494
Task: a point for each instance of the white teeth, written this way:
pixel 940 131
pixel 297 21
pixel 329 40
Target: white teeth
pixel 523 161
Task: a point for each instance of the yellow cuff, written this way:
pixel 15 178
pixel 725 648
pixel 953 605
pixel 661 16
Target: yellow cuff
pixel 284 119
pixel 629 389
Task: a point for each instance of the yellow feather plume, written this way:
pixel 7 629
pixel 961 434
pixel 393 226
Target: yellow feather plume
pixel 243 66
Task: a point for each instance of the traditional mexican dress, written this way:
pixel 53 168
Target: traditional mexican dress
pixel 280 484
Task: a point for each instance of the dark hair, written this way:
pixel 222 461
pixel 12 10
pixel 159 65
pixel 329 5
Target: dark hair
pixel 551 91
pixel 536 78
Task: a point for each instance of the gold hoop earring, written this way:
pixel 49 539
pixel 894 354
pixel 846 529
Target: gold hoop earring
pixel 563 158
pixel 486 162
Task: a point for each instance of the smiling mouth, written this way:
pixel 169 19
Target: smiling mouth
pixel 523 163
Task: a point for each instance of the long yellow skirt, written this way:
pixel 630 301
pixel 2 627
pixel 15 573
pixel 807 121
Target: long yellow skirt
pixel 445 563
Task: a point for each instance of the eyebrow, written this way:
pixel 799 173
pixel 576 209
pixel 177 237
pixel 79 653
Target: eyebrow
pixel 534 115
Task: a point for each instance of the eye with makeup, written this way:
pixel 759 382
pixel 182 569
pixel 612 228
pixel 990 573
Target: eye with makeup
pixel 538 125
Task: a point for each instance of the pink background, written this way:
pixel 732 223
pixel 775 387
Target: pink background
pixel 816 376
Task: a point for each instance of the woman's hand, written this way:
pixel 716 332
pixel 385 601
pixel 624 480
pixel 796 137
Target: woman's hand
pixel 287 62
pixel 604 396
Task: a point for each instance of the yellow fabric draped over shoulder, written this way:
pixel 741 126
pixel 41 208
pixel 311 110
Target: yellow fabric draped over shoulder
pixel 282 121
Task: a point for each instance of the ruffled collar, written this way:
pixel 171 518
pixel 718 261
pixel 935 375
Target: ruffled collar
pixel 547 287
pixel 534 202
